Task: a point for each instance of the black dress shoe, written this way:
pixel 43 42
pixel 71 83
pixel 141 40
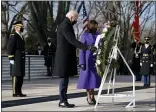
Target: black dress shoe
pixel 148 85
pixel 22 95
pixel 137 80
pixel 66 105
pixel 145 85
pixel 16 95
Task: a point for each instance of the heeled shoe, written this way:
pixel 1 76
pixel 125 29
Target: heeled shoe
pixel 90 103
pixel 94 101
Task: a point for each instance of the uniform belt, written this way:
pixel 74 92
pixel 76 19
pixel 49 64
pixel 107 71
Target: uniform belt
pixel 145 54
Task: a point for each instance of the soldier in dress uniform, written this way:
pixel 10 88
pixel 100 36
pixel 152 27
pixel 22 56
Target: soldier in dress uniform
pixel 16 55
pixel 39 50
pixel 154 58
pixel 146 61
pixel 136 59
pixel 49 54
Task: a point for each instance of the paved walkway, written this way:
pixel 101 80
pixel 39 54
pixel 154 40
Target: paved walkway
pixel 43 96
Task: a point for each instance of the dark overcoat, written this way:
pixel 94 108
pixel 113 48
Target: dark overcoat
pixel 154 58
pixel 16 52
pixel 65 60
pixel 49 53
pixel 146 59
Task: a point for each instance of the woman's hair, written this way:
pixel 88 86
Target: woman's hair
pixel 91 24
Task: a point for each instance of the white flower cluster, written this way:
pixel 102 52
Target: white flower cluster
pixel 99 37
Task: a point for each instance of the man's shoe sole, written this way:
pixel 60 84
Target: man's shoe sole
pixel 61 106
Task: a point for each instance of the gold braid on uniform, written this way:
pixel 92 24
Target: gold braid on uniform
pixel 14 84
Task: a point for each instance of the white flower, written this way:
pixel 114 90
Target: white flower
pixel 98 62
pixel 105 29
pixel 103 35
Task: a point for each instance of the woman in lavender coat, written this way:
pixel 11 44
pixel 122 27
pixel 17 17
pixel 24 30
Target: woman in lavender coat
pixel 89 79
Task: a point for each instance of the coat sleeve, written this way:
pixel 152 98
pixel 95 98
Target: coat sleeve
pixel 141 54
pixel 71 38
pixel 11 47
pixel 44 52
pixel 82 53
pixel 151 55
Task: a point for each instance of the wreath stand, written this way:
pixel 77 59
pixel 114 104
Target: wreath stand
pixel 113 55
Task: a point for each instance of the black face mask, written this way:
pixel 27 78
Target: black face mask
pixel 147 42
pixel 93 30
pixel 22 29
pixel 49 40
pixel 74 22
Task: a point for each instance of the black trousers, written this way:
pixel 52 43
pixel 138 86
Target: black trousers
pixel 63 89
pixel 17 82
pixel 49 70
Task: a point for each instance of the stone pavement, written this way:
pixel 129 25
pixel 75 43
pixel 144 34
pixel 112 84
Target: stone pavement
pixel 43 96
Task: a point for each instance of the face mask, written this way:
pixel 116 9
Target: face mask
pixel 22 29
pixel 93 30
pixel 74 22
pixel 49 41
pixel 147 42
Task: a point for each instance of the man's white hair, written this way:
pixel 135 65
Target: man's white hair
pixel 72 13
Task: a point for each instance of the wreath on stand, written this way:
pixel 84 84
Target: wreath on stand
pixel 104 44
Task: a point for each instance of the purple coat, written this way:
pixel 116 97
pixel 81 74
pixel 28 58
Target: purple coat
pixel 88 79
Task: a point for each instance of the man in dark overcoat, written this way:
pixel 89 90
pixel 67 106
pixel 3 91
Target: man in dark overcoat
pixel 65 60
pixel 136 59
pixel 16 55
pixel 154 58
pixel 146 61
pixel 49 54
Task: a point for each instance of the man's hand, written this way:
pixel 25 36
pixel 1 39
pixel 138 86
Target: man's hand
pixel 140 64
pixel 83 67
pixel 12 62
pixel 92 48
pixel 151 65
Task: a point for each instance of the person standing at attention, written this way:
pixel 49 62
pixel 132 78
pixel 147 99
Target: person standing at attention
pixel 16 55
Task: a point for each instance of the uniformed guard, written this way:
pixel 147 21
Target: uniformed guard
pixel 154 58
pixel 39 50
pixel 146 61
pixel 136 59
pixel 16 55
pixel 49 54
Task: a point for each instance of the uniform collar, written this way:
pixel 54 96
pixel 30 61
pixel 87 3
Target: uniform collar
pixel 19 35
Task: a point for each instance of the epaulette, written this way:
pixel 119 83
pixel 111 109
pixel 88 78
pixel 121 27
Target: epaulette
pixel 12 34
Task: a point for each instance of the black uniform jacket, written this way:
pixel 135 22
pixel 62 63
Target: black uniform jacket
pixel 65 60
pixel 49 53
pixel 16 52
pixel 154 58
pixel 146 59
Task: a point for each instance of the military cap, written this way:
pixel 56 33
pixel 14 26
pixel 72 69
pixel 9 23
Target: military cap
pixel 48 38
pixel 147 38
pixel 18 23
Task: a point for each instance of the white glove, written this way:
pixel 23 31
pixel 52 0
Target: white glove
pixel 151 65
pixel 12 62
pixel 140 64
